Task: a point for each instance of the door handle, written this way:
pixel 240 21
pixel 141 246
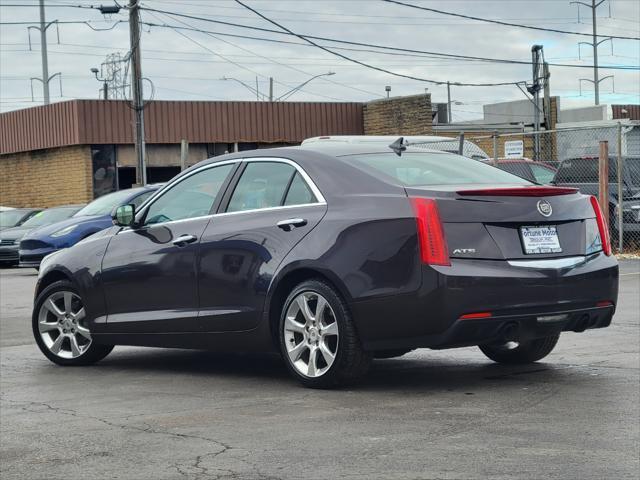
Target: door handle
pixel 291 223
pixel 182 240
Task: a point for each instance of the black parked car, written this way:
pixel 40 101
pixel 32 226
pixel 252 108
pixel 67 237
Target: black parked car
pixel 333 255
pixel 583 174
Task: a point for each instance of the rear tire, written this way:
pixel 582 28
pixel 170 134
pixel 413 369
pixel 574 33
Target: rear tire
pixel 59 327
pixel 524 352
pixel 318 338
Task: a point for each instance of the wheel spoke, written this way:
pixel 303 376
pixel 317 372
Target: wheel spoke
pixel 57 345
pixel 327 354
pixel 292 325
pixel 75 348
pixel 296 351
pixel 311 367
pixel 79 315
pixel 84 332
pixel 44 327
pixel 53 308
pixel 331 329
pixel 67 302
pixel 320 309
pixel 303 303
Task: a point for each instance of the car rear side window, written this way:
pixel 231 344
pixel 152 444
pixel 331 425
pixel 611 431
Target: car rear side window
pixel 543 175
pixel 262 185
pixel 432 168
pixel 299 192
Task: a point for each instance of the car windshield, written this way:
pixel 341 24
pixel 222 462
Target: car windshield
pixel 10 217
pixel 413 169
pixel 47 217
pixel 104 205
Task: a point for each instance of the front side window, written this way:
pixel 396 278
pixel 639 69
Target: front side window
pixel 262 185
pixel 192 197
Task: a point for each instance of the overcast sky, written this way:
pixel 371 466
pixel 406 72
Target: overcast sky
pixel 190 66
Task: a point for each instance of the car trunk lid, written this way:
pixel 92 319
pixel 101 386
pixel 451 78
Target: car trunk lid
pixel 510 222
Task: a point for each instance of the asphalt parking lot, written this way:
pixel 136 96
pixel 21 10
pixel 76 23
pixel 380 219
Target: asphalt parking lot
pixel 167 414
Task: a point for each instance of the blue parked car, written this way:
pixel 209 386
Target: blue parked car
pixel 96 216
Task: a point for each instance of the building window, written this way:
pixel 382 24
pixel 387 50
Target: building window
pixel 104 170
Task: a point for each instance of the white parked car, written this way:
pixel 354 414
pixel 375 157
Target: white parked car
pixel 433 142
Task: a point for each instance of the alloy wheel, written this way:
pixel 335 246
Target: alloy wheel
pixel 61 325
pixel 311 334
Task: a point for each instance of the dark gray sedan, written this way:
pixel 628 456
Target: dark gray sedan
pixel 333 255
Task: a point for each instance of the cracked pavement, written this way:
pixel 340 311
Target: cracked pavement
pixel 173 414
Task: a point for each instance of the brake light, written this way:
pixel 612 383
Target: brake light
pixel 602 226
pixel 468 316
pixel 432 244
pixel 605 303
pixel 519 192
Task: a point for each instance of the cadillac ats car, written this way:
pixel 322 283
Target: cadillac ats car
pixel 333 255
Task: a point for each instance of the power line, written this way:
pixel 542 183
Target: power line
pixel 361 44
pixel 285 65
pixel 239 65
pixel 373 67
pixel 499 22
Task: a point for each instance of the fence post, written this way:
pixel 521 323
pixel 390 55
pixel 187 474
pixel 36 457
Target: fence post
pixel 184 154
pixel 620 193
pixel 461 144
pixel 603 180
pixel 495 147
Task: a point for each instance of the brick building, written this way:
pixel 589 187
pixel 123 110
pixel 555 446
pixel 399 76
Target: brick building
pixel 75 151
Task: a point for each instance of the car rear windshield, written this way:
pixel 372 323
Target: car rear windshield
pixel 413 169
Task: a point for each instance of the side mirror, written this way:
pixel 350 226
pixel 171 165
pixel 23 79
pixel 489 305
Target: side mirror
pixel 124 215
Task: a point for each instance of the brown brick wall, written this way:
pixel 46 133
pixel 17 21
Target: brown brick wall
pixel 399 116
pixel 46 178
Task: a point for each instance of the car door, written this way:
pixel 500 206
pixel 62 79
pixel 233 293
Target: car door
pixel 149 271
pixel 271 207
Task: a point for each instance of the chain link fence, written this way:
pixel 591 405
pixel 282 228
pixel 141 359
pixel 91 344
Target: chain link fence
pixel 573 157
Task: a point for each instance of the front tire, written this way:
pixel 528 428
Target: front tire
pixel 60 330
pixel 521 352
pixel 318 339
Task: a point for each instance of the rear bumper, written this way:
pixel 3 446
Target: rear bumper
pixel 513 293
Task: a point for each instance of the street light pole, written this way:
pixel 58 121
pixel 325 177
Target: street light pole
pixel 294 90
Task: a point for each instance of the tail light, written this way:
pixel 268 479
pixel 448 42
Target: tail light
pixel 433 246
pixel 603 228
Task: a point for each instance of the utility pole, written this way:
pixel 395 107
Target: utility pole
pixel 595 44
pixel 537 59
pixel 596 85
pixel 448 102
pixel 271 89
pixel 138 96
pixel 45 60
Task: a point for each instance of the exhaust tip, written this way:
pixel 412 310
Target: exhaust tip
pixel 510 332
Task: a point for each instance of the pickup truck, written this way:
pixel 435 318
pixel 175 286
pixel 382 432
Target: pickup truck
pixel 582 173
